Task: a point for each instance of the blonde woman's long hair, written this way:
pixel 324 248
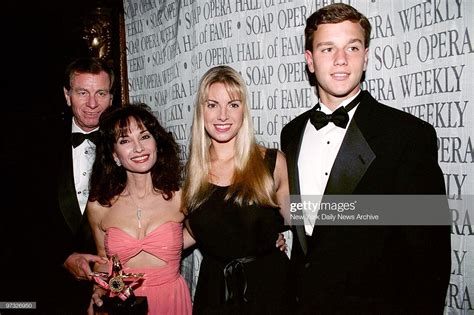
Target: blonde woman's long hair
pixel 252 183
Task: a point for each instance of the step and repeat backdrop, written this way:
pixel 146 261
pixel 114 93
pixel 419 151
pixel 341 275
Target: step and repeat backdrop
pixel 421 62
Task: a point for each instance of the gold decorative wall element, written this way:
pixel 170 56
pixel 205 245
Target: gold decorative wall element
pixel 103 30
pixel 98 33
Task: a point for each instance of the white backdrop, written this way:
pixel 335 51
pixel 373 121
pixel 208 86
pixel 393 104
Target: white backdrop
pixel 421 61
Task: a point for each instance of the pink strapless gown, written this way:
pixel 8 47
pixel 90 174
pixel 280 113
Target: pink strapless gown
pixel 164 287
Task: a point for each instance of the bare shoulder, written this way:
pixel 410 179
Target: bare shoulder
pixel 280 172
pixel 280 160
pixel 176 206
pixel 177 195
pixel 94 207
pixel 264 150
pixel 96 211
pixel 281 156
pixel 176 198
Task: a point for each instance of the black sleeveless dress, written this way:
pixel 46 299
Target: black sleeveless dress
pixel 242 271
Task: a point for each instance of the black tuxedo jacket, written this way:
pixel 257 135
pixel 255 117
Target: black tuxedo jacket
pixel 373 269
pixel 68 229
pixel 40 223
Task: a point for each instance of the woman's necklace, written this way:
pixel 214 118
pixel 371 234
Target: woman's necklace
pixel 139 210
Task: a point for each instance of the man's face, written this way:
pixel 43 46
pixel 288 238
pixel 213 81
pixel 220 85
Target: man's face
pixel 338 59
pixel 88 97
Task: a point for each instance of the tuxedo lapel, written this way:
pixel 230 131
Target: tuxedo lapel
pixel 292 161
pixel 68 202
pixel 352 161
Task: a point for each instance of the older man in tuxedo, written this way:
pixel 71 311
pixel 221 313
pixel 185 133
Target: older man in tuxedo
pixel 350 144
pixel 88 87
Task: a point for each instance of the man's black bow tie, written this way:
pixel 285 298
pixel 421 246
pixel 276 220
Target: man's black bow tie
pixel 77 138
pixel 339 117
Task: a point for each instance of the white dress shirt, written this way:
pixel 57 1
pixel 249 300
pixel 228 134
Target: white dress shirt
pixel 318 152
pixel 82 159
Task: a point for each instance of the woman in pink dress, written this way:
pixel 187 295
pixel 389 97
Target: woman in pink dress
pixel 134 206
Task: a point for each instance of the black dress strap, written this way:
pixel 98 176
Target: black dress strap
pixel 270 159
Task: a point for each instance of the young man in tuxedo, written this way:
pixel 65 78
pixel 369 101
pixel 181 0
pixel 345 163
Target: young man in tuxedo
pixel 88 92
pixel 350 144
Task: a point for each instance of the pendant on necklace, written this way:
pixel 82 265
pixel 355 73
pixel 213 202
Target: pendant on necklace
pixel 139 217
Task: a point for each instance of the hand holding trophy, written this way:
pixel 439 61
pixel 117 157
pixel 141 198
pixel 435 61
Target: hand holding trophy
pixel 120 298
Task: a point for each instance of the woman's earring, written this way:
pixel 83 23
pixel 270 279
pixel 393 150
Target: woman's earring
pixel 117 161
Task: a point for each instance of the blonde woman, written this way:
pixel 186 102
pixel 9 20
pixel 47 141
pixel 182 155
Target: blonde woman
pixel 235 197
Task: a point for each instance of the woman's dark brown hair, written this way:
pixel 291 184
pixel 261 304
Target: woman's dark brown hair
pixel 107 179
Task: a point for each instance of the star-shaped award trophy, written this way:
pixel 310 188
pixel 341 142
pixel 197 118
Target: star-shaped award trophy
pixel 120 298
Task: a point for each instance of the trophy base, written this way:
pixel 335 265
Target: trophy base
pixel 115 306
